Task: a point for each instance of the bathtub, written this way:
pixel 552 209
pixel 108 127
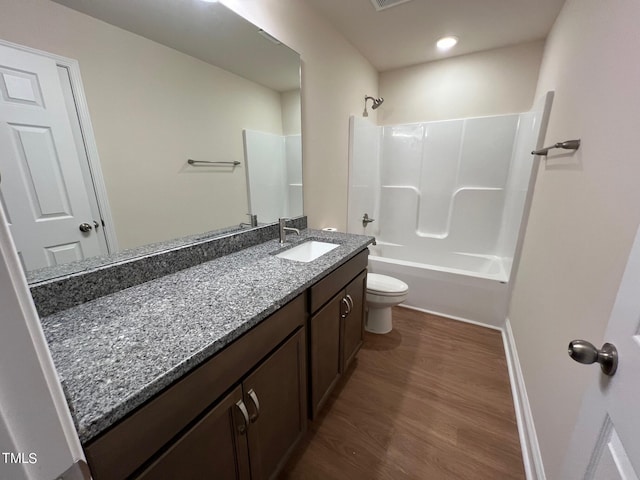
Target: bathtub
pixel 472 288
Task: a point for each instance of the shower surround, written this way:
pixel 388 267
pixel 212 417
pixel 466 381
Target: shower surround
pixel 449 198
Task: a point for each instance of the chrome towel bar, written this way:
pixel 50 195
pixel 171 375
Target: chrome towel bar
pixel 567 145
pixel 206 162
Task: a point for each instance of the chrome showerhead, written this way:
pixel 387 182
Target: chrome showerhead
pixel 376 103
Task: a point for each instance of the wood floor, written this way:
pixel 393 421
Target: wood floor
pixel 430 400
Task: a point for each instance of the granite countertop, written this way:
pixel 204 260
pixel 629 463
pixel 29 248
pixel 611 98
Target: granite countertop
pixel 117 351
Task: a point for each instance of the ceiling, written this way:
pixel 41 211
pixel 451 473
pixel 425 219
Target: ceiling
pixel 406 33
pixel 402 35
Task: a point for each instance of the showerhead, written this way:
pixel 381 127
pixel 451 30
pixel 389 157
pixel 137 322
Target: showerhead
pixel 376 103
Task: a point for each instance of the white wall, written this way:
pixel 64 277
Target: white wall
pixel 335 78
pixel 585 210
pixel 152 108
pixel 492 82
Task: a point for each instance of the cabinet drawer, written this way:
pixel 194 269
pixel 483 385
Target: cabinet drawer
pixel 130 443
pixel 321 292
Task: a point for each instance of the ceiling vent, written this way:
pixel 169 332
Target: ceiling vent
pixel 384 4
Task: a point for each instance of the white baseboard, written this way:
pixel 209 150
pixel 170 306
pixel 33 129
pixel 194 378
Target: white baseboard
pixel 452 317
pixel 531 456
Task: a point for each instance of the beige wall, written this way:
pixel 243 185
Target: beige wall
pixel 152 108
pixel 492 82
pixel 335 78
pixel 585 210
pixel 291 113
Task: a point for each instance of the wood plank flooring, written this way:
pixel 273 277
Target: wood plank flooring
pixel 430 400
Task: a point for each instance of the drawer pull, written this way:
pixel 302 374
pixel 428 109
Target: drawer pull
pixel 245 416
pixel 256 403
pixel 351 302
pixel 348 311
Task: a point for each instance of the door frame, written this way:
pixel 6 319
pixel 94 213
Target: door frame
pixel 88 138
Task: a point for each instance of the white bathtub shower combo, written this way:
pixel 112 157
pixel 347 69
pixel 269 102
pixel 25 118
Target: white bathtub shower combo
pixel 448 199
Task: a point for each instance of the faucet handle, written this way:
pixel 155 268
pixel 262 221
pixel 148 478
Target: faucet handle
pixel 366 220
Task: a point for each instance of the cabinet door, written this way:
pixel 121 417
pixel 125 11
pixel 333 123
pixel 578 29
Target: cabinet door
pixel 325 350
pixel 275 395
pixel 213 448
pixel 353 323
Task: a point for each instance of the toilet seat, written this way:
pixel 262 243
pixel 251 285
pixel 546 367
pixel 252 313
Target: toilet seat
pixel 385 286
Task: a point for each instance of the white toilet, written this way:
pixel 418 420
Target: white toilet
pixel 383 292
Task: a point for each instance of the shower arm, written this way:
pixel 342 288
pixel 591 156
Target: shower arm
pixel 376 103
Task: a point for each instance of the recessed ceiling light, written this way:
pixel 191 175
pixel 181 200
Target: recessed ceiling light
pixel 210 1
pixel 445 43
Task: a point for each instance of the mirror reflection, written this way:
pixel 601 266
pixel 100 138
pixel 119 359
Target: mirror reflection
pixel 94 151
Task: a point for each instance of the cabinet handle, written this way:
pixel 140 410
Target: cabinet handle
pixel 346 302
pixel 245 416
pixel 256 403
pixel 351 302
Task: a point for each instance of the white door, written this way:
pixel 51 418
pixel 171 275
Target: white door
pixel 35 422
pixel 606 441
pixel 42 190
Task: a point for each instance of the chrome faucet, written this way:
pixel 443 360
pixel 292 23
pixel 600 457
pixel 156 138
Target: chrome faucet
pixel 254 221
pixel 284 229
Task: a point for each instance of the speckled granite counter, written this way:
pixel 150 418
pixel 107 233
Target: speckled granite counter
pixel 115 352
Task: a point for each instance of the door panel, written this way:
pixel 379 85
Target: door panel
pixel 275 395
pixel 325 351
pixel 43 190
pixel 60 254
pixel 20 87
pixel 353 323
pixel 213 448
pixel 609 458
pixel 40 166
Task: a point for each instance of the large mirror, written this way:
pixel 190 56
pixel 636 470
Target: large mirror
pixel 161 82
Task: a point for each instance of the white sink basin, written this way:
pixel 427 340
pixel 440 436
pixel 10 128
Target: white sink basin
pixel 307 251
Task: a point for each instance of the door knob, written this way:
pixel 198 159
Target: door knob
pixel 585 352
pixel 85 227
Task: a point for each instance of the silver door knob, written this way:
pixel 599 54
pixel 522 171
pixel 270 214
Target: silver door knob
pixel 85 227
pixel 585 352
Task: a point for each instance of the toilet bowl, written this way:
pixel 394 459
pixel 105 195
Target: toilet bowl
pixel 383 292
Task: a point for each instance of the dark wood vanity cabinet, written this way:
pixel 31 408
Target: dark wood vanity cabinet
pixel 336 326
pixel 236 416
